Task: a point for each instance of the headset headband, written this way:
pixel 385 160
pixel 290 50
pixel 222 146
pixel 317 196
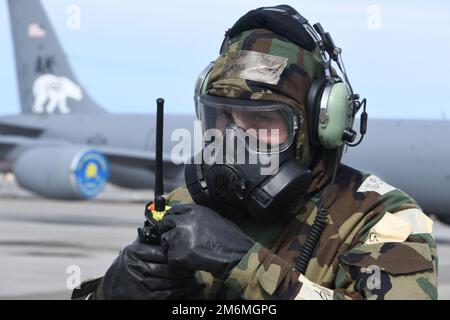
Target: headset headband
pixel 282 20
pixel 286 22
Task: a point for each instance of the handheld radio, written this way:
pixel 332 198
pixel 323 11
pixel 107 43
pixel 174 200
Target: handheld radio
pixel 155 211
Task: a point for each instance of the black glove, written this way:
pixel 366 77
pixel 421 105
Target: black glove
pixel 141 272
pixel 197 238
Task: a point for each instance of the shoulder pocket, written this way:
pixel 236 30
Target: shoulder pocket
pixel 392 257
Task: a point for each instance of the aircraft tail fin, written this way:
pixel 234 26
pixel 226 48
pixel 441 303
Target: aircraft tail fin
pixel 47 84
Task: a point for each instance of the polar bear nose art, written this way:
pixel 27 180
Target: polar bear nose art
pixel 51 92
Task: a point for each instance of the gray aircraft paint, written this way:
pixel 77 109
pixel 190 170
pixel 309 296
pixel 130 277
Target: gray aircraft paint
pixel 127 139
pixel 47 80
pixel 412 155
pixel 409 154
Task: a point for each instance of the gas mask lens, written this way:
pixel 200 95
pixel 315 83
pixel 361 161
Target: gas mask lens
pixel 266 126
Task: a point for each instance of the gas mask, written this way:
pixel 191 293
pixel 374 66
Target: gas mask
pixel 248 164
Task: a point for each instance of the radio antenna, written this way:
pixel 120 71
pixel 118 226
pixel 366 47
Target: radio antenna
pixel 160 202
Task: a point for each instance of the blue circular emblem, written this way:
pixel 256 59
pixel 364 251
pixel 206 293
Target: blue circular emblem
pixel 91 173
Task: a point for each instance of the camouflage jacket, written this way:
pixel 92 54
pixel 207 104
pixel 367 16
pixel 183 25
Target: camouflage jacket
pixel 378 244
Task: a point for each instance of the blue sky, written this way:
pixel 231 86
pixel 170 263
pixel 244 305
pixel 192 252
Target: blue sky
pixel 127 53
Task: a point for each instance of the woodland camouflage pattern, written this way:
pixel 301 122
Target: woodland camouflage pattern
pixel 408 268
pixel 340 261
pixel 347 252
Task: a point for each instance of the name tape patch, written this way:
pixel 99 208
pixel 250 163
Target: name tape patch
pixel 313 291
pixel 254 66
pixel 418 220
pixel 373 183
pixel 389 229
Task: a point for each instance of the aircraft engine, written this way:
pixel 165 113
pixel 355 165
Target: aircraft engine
pixel 68 172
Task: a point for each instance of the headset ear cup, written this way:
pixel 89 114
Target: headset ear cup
pixel 337 115
pixel 313 99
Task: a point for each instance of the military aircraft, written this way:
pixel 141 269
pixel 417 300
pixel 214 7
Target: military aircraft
pixel 64 144
pixel 412 155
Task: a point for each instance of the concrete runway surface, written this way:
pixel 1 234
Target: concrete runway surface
pixel 44 243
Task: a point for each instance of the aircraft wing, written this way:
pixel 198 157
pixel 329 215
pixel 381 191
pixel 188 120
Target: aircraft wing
pixel 12 141
pixel 5 142
pixel 19 130
pixel 115 155
pixel 134 158
pixel 12 135
pixel 130 168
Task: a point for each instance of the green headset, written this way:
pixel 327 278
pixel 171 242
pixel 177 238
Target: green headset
pixel 331 105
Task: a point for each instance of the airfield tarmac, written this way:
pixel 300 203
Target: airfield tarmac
pixel 44 243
